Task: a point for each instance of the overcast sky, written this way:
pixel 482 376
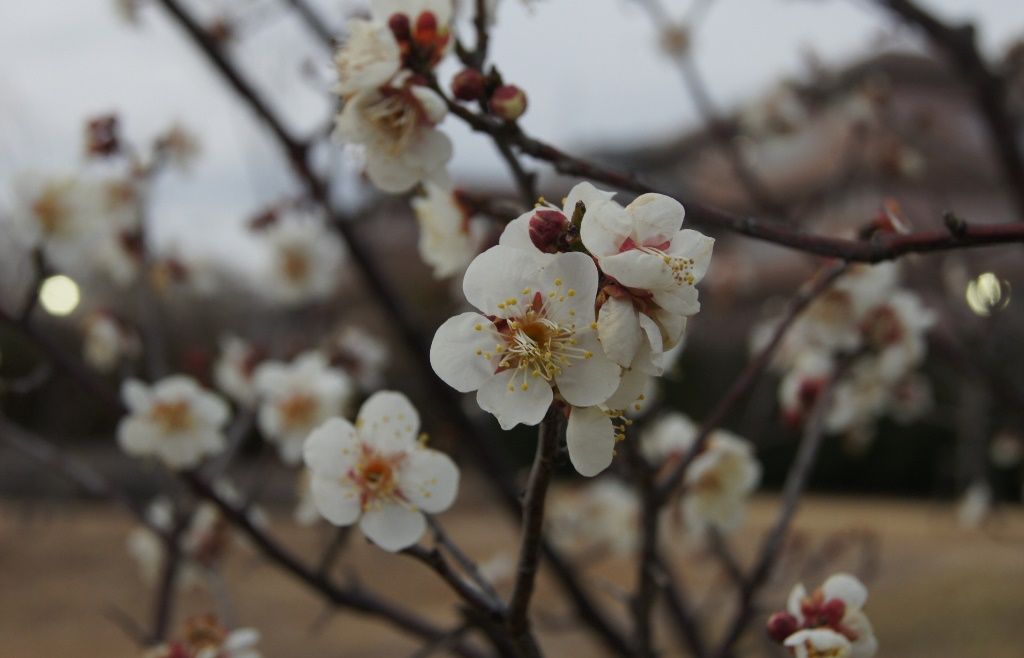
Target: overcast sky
pixel 590 67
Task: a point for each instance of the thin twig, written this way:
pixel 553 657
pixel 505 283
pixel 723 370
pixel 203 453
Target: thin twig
pixel 433 559
pixel 533 521
pixel 464 561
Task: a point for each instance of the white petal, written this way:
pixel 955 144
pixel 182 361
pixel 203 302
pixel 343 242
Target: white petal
pixel 619 330
pixel 517 233
pixel 136 395
pixel 631 386
pixel 337 499
pixel 656 218
pixel 429 480
pixel 573 302
pixel 453 352
pixel 682 299
pixel 332 448
pixel 586 382
pixel 796 595
pixel 393 527
pixel 693 244
pixel 137 436
pixel 500 273
pixel 388 420
pixel 848 589
pixel 605 228
pixel 503 396
pixel 590 437
pixel 638 269
pixel 390 173
pixel 434 107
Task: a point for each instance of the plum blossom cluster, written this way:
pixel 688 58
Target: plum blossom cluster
pixel 829 622
pixel 864 314
pixel 379 472
pixel 720 479
pixel 305 258
pixel 204 636
pixel 578 305
pixel 602 516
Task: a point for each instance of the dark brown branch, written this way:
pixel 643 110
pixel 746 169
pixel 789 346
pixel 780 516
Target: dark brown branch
pixel 796 482
pixel 746 380
pixel 646 591
pixel 533 521
pixel 353 598
pixel 475 597
pixel 463 560
pixel 959 43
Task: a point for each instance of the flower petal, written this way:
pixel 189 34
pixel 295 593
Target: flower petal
pixel 693 244
pixel 337 499
pixel 503 396
pixel 388 421
pixel 589 381
pixel 499 273
pixel 604 228
pixel 453 352
pixel 656 218
pixel 332 448
pixel 590 437
pixel 846 588
pixel 619 331
pixel 429 480
pixel 393 527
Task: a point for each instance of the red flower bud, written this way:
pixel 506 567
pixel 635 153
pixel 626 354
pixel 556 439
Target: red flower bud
pixel 832 612
pixel 469 85
pixel 546 229
pixel 400 27
pixel 508 102
pixel 781 625
pixel 426 28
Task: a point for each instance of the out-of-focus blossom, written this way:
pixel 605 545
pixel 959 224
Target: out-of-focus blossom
pixel 305 259
pixel 378 473
pixel 781 112
pixel 108 341
pixel 203 636
pixel 602 515
pixel 536 333
pixel 447 242
pixel 180 146
pixel 829 622
pixel 1006 449
pixel 234 369
pixel 305 512
pixel 297 397
pixel 975 505
pixel 362 355
pixel 174 420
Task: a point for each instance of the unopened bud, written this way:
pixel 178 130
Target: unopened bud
pixel 547 227
pixel 508 102
pixel 101 136
pixel 400 27
pixel 426 28
pixel 469 85
pixel 832 612
pixel 781 625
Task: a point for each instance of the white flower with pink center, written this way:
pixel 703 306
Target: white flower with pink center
pixel 174 420
pixel 535 334
pixel 297 397
pixel 378 473
pixel 827 623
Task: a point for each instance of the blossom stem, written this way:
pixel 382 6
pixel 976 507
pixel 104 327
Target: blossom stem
pixel 533 521
pixel 749 376
pixel 464 561
pixel 796 482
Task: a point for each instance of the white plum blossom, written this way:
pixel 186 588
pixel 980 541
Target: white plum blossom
pixel 830 622
pixel 297 397
pixel 895 330
pixel 447 241
pixel 363 356
pixel 368 59
pixel 204 637
pixel 650 266
pixel 720 479
pixel 396 126
pixel 234 369
pixel 599 516
pixel 378 473
pixel 535 333
pixel 174 420
pixel 975 505
pixel 305 259
pixel 107 341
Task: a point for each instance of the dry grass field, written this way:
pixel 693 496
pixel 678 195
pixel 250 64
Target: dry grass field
pixel 936 591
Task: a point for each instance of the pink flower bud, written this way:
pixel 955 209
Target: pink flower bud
pixel 781 625
pixel 508 102
pixel 468 85
pixel 400 27
pixel 546 229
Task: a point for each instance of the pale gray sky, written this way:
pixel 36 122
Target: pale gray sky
pixel 590 67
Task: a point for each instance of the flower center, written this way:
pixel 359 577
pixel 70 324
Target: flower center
pixel 376 475
pixel 298 411
pixel 883 327
pixel 50 212
pixel 172 417
pixel 295 264
pixel 395 116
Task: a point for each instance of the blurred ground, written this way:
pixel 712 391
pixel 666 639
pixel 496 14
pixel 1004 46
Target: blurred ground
pixel 936 591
